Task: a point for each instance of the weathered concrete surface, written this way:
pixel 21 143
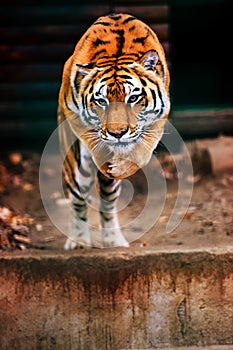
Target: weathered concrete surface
pixel 214 347
pixel 116 299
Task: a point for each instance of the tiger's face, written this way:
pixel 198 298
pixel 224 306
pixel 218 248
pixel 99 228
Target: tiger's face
pixel 123 109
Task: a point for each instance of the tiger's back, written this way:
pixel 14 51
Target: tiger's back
pixel 117 37
pixel 115 97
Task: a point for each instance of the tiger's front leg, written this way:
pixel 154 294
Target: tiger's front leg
pixel 79 234
pixel 109 190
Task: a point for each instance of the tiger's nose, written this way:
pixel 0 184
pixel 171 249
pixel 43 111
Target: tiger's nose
pixel 117 133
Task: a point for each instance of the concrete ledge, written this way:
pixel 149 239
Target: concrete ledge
pixel 217 347
pixel 116 299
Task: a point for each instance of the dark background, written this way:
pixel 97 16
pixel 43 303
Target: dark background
pixel 201 37
pixel 38 37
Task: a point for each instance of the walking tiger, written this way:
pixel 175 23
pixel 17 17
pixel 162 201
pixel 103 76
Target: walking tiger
pixel 114 97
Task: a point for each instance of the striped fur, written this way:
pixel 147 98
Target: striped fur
pixel 114 97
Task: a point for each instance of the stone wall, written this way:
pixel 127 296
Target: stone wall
pixel 115 299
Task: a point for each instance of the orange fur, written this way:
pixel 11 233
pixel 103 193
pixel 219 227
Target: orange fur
pixel 113 48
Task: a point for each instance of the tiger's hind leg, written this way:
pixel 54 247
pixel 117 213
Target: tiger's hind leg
pixel 84 178
pixel 109 190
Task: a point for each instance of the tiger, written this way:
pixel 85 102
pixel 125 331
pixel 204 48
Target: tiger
pixel 114 101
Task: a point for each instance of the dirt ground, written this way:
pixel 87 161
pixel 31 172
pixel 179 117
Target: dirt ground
pixel 144 209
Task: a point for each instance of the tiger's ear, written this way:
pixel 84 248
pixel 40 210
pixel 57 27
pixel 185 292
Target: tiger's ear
pixel 150 60
pixel 84 69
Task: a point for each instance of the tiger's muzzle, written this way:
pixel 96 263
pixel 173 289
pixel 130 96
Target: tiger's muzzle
pixel 119 123
pixel 121 134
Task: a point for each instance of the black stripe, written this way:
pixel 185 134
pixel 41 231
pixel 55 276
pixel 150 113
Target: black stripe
pixel 125 62
pixel 120 40
pixel 141 117
pixel 111 57
pixel 98 92
pixel 124 76
pixel 106 60
pixel 114 16
pixel 143 92
pixel 85 189
pixel 131 18
pixel 154 96
pixel 104 64
pixel 143 82
pixel 93 82
pixel 107 24
pixel 129 56
pixel 66 103
pixel 104 180
pixel 140 40
pixel 107 70
pixel 78 206
pixel 105 79
pixel 108 194
pixel 131 29
pixel 98 42
pixel 103 214
pixel 95 119
pixel 83 102
pixel 151 81
pixel 107 216
pixel 107 206
pixel 91 90
pixel 74 100
pixel 83 172
pixel 76 82
pixel 130 83
pixel 141 99
pixel 76 151
pixel 126 69
pixel 160 95
pixel 97 54
pixel 151 111
pixel 89 118
pixel 86 115
pixel 109 201
pixel 73 177
pixel 75 194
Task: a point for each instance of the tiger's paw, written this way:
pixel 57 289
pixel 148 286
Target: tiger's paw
pixel 71 244
pixel 78 235
pixel 122 169
pixel 113 238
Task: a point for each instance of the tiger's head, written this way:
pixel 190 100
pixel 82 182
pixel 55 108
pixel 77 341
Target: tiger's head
pixel 122 106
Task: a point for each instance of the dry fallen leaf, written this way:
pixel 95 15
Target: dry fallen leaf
pixel 39 227
pixel 28 187
pixel 14 230
pixel 145 244
pixel 15 158
pixel 163 218
pixel 193 179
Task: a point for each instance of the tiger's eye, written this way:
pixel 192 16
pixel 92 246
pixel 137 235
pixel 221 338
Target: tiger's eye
pixel 132 98
pixel 102 102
